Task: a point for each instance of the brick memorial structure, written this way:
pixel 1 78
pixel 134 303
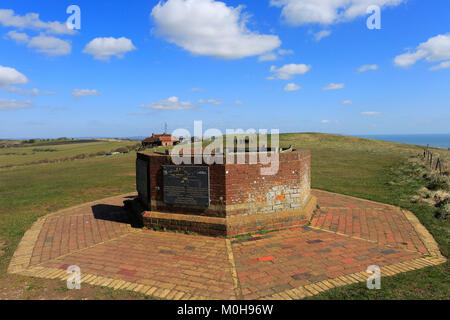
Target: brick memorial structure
pixel 223 199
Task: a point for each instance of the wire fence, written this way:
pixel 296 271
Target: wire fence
pixel 434 161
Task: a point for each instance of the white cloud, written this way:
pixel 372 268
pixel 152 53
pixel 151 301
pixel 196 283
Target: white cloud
pixel 283 52
pixel 50 45
pixel 173 103
pixel 6 104
pixel 32 21
pixel 288 71
pixel 371 113
pixel 442 65
pixel 336 122
pixel 367 67
pixel 43 43
pixel 105 48
pixel 434 49
pixel 271 56
pixel 326 12
pixel 347 102
pixel 18 37
pixel 334 86
pixel 10 76
pixel 32 92
pixel 292 87
pixel 78 93
pixel 321 34
pixel 197 89
pixel 407 59
pixel 210 28
pixel 211 101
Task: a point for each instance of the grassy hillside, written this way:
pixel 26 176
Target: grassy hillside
pixel 364 168
pixel 28 153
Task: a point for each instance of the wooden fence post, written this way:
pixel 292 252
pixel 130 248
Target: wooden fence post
pixel 438 165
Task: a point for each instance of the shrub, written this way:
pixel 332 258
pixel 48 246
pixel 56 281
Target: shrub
pixel 438 183
pixel 446 211
pixel 424 193
pixel 44 150
pixel 80 156
pixel 444 202
pixel 122 150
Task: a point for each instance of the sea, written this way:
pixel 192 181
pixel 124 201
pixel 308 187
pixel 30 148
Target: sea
pixel 433 140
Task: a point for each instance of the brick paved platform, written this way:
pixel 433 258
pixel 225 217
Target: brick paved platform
pixel 346 235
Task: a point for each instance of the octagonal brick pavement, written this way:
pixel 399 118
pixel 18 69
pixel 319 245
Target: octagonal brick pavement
pixel 345 236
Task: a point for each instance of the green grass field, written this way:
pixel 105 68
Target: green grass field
pixel 363 168
pixel 29 153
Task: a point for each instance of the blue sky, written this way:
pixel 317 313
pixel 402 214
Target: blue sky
pixel 127 71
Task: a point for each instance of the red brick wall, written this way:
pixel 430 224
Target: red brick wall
pixel 217 188
pixel 289 189
pixel 237 189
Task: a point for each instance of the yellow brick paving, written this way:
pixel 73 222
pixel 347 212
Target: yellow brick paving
pixel 21 261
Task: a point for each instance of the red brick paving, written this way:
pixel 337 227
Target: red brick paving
pixel 368 220
pixel 304 256
pixel 346 236
pixel 160 259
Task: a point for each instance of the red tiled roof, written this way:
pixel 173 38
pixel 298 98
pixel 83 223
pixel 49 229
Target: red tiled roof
pixel 160 137
pixel 168 138
pixel 150 140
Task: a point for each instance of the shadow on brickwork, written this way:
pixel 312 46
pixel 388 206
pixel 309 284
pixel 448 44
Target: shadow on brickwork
pixel 115 214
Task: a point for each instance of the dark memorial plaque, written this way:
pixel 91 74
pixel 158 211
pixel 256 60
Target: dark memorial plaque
pixel 142 181
pixel 187 185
